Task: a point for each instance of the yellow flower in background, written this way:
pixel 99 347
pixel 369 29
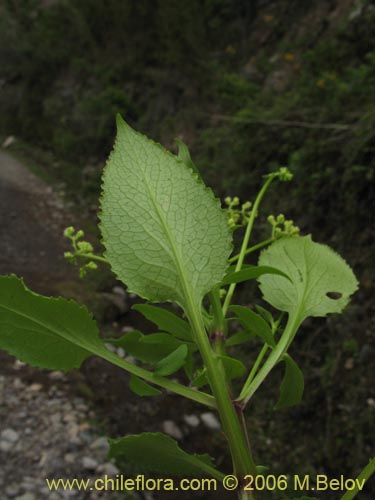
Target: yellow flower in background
pixel 289 57
pixel 321 83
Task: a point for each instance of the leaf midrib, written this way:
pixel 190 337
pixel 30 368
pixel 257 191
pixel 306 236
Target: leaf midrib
pixel 176 256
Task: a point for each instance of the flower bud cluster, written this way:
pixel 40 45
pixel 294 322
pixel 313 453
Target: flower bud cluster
pixel 238 215
pixel 282 227
pixel 82 249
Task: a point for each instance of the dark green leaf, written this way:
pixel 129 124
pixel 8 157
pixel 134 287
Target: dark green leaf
pixel 137 345
pixel 254 323
pixel 51 333
pixel 291 390
pixel 172 362
pixel 165 320
pixel 265 314
pixel 249 273
pixel 156 452
pixel 184 156
pixel 141 388
pixel 233 367
pixel 200 378
pixel 239 338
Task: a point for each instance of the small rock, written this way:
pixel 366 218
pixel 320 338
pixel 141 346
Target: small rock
pixel 12 490
pixel 119 291
pixel 121 352
pixel 108 468
pixel 69 458
pixel 27 496
pixel 6 446
pixel 56 375
pixel 210 421
pixel 35 387
pixel 172 429
pixel 110 347
pixel 89 463
pixel 349 364
pixel 100 444
pixel 9 435
pixel 127 329
pixel 18 364
pixel 191 420
pixel 9 141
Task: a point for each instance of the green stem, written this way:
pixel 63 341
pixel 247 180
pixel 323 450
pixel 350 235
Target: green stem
pixel 219 325
pixel 187 392
pixel 254 368
pixel 275 356
pixel 91 256
pixel 364 476
pixel 246 240
pixel 242 460
pixel 252 249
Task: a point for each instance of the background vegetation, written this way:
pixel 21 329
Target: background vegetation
pixel 249 86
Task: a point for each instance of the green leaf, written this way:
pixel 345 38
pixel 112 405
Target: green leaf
pixel 265 314
pixel 59 334
pixel 239 338
pixel 291 390
pixel 52 333
pixel 165 320
pixel 166 236
pixel 254 323
pixel 156 452
pixel 184 156
pixel 141 388
pixel 137 345
pixel 316 272
pixel 233 367
pixel 200 378
pixel 249 273
pixel 173 362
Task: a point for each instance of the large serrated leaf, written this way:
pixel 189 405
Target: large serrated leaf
pixel 43 331
pixel 156 452
pixel 321 281
pixel 166 236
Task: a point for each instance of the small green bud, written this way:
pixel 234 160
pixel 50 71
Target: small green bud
pixel 280 218
pixel 228 200
pixel 285 174
pixel 236 201
pixel 68 255
pixel 80 234
pixel 69 231
pixel 246 205
pixel 222 293
pixel 271 220
pixel 91 265
pixel 85 247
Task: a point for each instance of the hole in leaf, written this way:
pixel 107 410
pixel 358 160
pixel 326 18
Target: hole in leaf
pixel 334 295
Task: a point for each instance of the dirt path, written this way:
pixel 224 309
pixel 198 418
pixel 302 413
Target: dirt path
pixel 45 427
pixel 32 219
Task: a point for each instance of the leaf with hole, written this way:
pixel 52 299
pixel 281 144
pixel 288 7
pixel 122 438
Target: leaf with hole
pixel 315 272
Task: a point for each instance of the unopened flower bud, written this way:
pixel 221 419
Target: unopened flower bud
pixel 85 247
pixel 69 231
